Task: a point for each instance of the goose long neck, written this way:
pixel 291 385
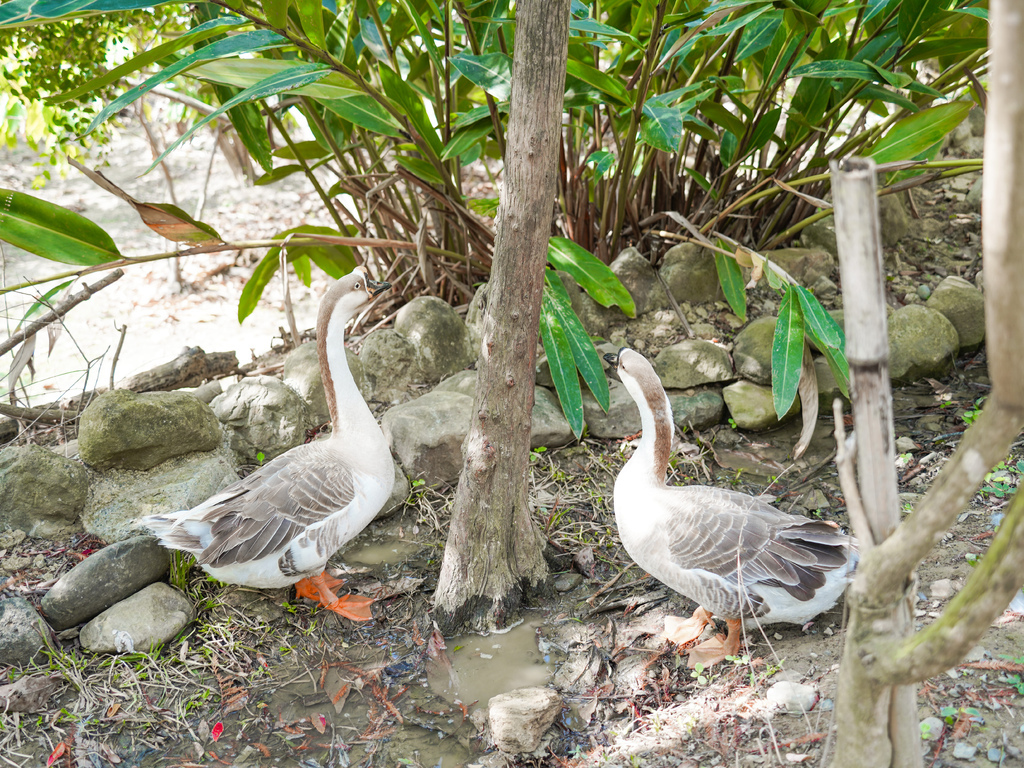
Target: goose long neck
pixel 655 446
pixel 349 412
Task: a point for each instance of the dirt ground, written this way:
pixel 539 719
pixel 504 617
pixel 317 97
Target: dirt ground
pixel 263 679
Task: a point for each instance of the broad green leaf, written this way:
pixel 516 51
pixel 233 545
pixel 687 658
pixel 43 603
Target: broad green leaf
pixel 608 84
pixel 602 162
pixel 411 102
pixel 276 12
pixel 722 117
pixel 243 73
pixel 661 126
pixel 250 126
pixel 701 179
pixel 492 72
pixel 53 232
pixel 466 138
pixel 822 327
pixel 854 70
pixel 372 40
pixel 881 93
pixel 593 276
pixel 758 35
pixel 471 117
pixel 840 368
pixel 764 129
pixel 18 13
pixel 563 367
pixel 303 270
pixel 144 59
pixel 728 147
pixel 426 39
pixel 595 27
pixel 915 133
pixel 583 352
pixel 731 277
pixel 787 353
pixel 366 112
pixel 954 46
pixel 421 168
pixel 311 16
pixel 485 206
pixel 277 174
pixel 246 42
pixel 279 83
pixel 915 17
pixel 307 150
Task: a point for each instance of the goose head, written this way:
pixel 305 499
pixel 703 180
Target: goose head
pixel 639 378
pixel 349 295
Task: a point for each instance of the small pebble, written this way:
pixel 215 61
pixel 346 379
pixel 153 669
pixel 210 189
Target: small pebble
pixel 941 589
pixel 826 705
pixel 931 728
pixel 568 581
pixel 923 292
pixel 964 751
pixel 995 755
pixel 794 698
pixel 905 445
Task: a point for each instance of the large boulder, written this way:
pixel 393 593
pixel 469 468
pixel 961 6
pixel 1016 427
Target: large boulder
pixel 22 632
pixel 751 406
pixel 548 426
pixel 426 434
pixel 690 274
pixel 463 382
pixel 922 343
pixel 805 265
pixel 691 363
pixel 119 497
pixel 596 319
pixel 439 335
pixel 126 430
pixel 389 365
pixel 821 235
pixel 148 618
pixel 622 418
pixel 894 221
pixel 519 718
pixel 475 317
pixel 752 350
pixel 262 415
pixel 964 306
pixel 41 492
pixel 104 578
pixel 302 373
pixel 696 411
pixel 639 278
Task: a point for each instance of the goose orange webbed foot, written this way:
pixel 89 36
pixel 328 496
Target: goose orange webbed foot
pixel 682 631
pixel 717 648
pixel 320 589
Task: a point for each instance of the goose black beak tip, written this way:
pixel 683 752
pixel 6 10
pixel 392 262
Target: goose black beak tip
pixel 376 289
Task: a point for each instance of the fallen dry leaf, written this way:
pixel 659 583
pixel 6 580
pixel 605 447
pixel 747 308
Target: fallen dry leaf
pixel 29 693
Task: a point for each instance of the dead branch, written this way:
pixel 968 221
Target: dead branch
pixel 58 311
pixel 189 369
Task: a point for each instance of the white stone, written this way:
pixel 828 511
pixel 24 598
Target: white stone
pixel 794 698
pixel 519 718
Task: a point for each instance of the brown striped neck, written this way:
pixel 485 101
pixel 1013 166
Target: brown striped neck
pixel 643 384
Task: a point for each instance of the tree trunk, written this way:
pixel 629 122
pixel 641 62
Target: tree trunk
pixel 494 558
pixel 881 659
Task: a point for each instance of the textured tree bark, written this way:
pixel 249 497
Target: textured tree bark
pixel 881 658
pixel 493 558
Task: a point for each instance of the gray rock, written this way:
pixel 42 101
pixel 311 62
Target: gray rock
pixel 979 280
pixel 389 365
pixel 805 265
pixel 964 306
pixel 622 418
pixel 103 579
pixel 463 382
pixel 824 289
pixel 125 430
pixel 941 589
pixel 751 407
pixel 698 411
pixel 689 271
pixel 923 291
pixel 931 728
pixel 974 195
pixel 439 335
pixel 519 718
pixel 119 497
pixel 22 632
pixel 691 363
pixel 596 319
pixel 793 698
pixel 905 445
pixel 964 751
pixel 922 342
pixel 566 582
pixel 821 235
pixel 399 493
pixel 206 392
pixel 548 425
pixel 640 279
pixel 426 434
pixel 146 619
pixel 893 219
pixel 752 350
pixel 41 492
pixel 262 415
pixel 976 120
pixel 302 373
pixel 475 317
pixel 828 387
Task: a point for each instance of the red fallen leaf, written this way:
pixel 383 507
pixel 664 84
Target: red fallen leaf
pixel 319 722
pixel 216 731
pixel 59 750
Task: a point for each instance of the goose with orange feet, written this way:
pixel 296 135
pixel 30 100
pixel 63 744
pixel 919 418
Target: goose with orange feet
pixel 281 524
pixel 738 557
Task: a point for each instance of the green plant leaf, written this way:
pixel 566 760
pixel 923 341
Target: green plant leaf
pixel 276 12
pixel 311 16
pixel 563 367
pixel 279 83
pixel 787 353
pixel 18 13
pixel 764 129
pixel 915 133
pixel 277 174
pixel 307 150
pixel 932 49
pixel 593 276
pixel 731 277
pixel 246 42
pixel 607 84
pixel 854 70
pixel 881 93
pixel 144 59
pixel 243 73
pixel 821 326
pixel 421 168
pixel 602 162
pixel 722 117
pixel 584 354
pixel 661 126
pixel 492 72
pixel 466 138
pixel 426 38
pixel 915 16
pixel 250 126
pixel 595 27
pixel 42 301
pixel 411 103
pixel 372 40
pixel 53 232
pixel 366 112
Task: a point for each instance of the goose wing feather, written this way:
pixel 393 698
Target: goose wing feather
pixel 276 504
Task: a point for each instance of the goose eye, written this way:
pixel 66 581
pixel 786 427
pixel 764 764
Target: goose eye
pixel 358 285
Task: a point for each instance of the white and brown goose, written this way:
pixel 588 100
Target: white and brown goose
pixel 279 525
pixel 738 557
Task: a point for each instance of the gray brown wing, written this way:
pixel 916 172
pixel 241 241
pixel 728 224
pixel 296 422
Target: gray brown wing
pixel 276 503
pixel 745 540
